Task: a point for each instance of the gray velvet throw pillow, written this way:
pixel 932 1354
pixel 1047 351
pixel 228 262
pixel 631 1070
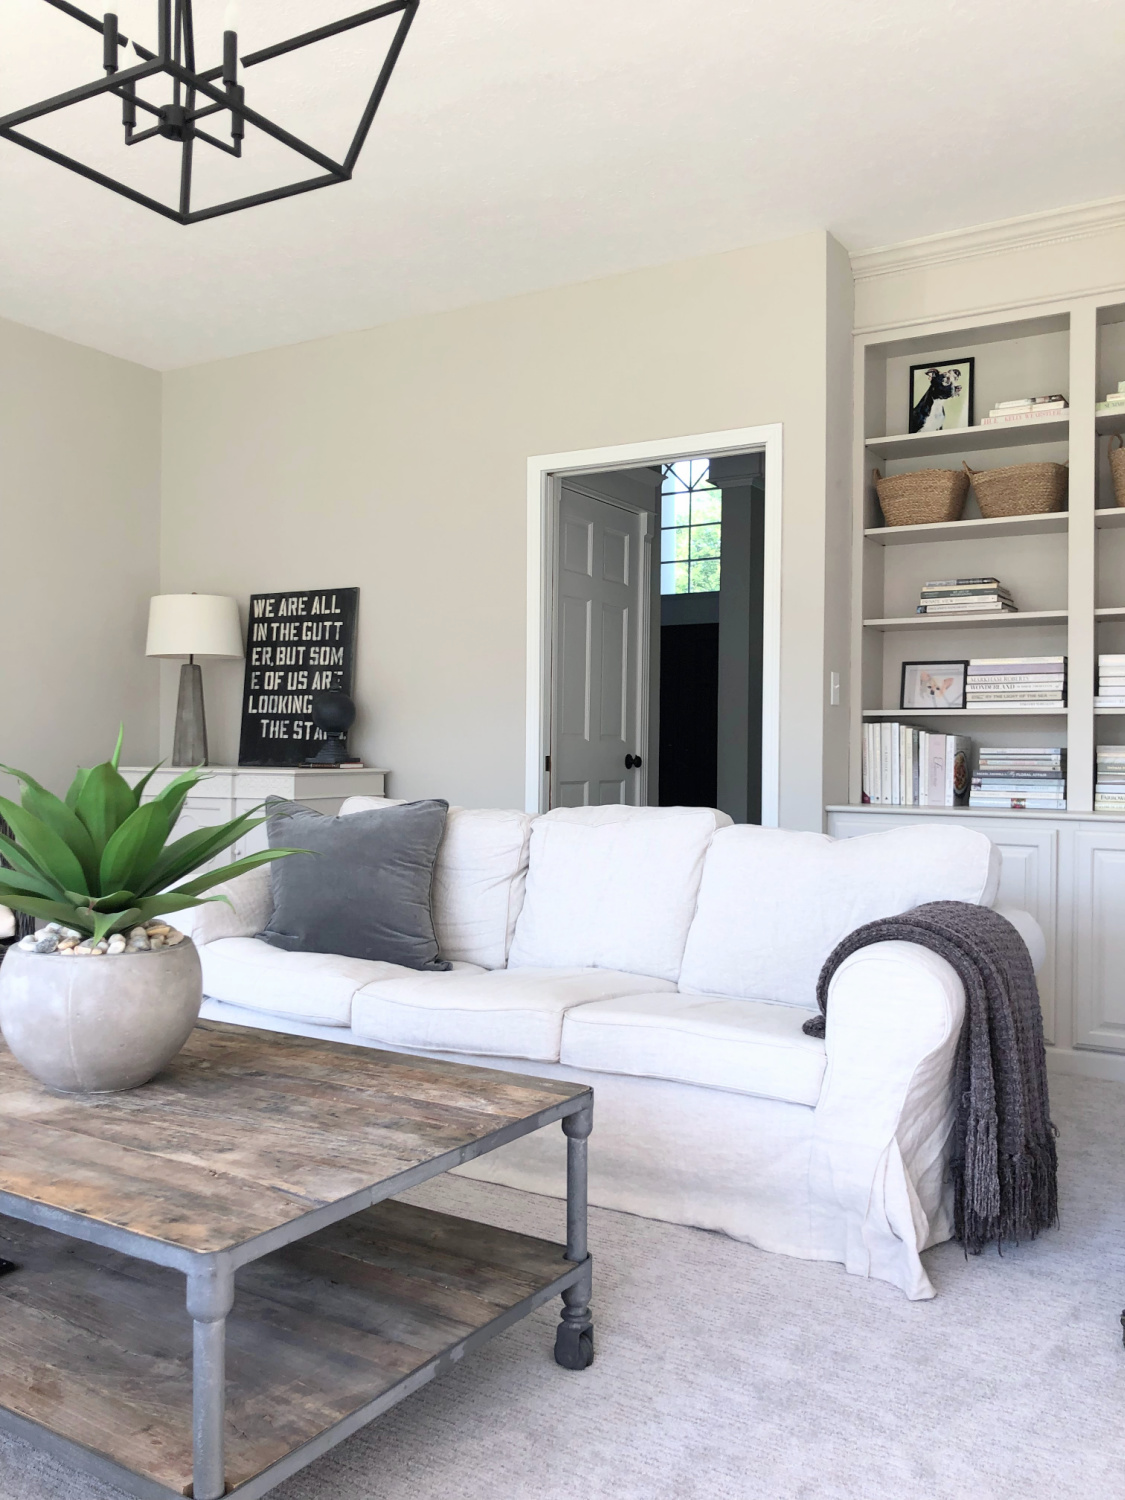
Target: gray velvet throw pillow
pixel 363 890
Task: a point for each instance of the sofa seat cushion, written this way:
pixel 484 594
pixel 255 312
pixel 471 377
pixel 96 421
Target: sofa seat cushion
pixel 744 1046
pixel 773 903
pixel 508 1013
pixel 613 887
pixel 316 987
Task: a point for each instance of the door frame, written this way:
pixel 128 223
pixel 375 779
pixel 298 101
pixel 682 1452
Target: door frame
pixel 544 473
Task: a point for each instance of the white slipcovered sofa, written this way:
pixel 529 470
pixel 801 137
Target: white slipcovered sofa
pixel 669 959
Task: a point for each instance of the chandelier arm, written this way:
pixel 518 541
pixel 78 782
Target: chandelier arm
pixel 331 28
pixel 87 20
pixel 212 140
pixel 137 136
pixel 271 195
pixel 91 173
pixel 108 85
pixel 139 103
pixel 381 83
pixel 278 132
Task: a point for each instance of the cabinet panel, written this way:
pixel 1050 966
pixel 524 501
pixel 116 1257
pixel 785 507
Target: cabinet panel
pixel 1099 939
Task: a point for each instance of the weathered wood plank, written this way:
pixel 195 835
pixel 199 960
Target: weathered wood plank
pixel 246 1131
pixel 97 1345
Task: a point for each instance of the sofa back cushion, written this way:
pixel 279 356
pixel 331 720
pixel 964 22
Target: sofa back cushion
pixel 478 879
pixel 613 888
pixel 774 903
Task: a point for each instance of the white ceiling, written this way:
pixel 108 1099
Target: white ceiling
pixel 530 143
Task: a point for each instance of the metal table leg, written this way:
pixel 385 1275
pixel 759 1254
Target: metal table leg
pixel 210 1295
pixel 574 1342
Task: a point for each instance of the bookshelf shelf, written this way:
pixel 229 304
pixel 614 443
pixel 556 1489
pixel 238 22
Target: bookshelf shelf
pixel 1110 712
pixel 1112 516
pixel 977 529
pixel 971 713
pixel 951 622
pixel 1113 612
pixel 972 439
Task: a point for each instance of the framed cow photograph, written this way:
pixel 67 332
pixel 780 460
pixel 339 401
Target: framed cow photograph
pixel 933 684
pixel 941 395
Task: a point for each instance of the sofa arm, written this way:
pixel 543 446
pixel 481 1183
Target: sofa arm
pixel 249 912
pixel 1028 929
pixel 882 1123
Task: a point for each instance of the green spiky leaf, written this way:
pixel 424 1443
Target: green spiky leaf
pixel 75 789
pixel 54 911
pixel 51 854
pixel 105 801
pixel 128 858
pixel 232 871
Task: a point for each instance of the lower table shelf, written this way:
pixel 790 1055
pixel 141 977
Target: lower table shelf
pixel 324 1335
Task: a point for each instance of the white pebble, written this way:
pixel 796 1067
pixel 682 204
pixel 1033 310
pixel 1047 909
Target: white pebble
pixel 27 944
pixel 83 950
pixel 173 938
pixel 70 932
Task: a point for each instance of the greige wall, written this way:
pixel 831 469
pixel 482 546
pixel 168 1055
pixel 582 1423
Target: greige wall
pixel 79 480
pixel 395 460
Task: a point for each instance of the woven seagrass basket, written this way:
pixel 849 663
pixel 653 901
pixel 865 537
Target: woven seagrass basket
pixel 922 498
pixel 1019 489
pixel 1117 465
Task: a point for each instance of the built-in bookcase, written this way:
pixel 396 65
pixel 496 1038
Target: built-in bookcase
pixel 1066 571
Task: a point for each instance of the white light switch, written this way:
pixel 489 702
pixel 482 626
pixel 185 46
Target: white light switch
pixel 834 689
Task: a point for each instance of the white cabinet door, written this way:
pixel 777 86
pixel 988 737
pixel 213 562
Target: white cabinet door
pixel 1099 938
pixel 1028 879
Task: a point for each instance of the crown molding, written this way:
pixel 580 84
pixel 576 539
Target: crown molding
pixel 1024 233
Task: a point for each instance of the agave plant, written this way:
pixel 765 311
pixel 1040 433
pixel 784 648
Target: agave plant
pixel 100 861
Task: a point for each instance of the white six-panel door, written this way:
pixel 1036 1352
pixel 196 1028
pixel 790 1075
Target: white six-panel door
pixel 600 553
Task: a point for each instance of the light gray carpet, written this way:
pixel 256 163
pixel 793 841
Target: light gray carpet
pixel 725 1372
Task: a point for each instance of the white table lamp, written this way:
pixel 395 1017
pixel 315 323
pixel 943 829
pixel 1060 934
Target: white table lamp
pixel 187 626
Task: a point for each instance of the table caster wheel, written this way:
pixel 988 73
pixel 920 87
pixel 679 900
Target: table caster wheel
pixel 574 1347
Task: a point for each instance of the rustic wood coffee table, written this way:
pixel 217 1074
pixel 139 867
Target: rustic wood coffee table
pixel 273 1157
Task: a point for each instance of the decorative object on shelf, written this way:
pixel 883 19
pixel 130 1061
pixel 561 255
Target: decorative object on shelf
pixel 1117 466
pixel 1114 403
pixel 333 713
pixel 1016 778
pixel 298 643
pixel 1017 682
pixel 1019 489
pixel 1110 687
pixel 904 766
pixel 965 596
pixel 921 498
pixel 203 93
pixel 1025 409
pixel 941 395
pixel 1109 789
pixel 191 625
pixel 932 684
pixel 98 869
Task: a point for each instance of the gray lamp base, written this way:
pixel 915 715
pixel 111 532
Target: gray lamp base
pixel 189 747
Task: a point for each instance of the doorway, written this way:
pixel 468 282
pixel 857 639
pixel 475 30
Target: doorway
pixel 654 625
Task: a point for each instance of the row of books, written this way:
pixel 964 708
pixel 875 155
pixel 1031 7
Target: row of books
pixel 965 596
pixel 1016 681
pixel 908 767
pixel 1110 688
pixel 1020 776
pixel 1025 409
pixel 1109 787
pixel 1114 402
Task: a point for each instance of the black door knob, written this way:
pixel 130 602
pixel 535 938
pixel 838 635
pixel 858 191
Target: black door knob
pixel 632 762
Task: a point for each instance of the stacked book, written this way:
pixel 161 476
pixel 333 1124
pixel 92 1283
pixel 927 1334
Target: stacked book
pixel 1020 777
pixel 1111 682
pixel 1113 403
pixel 1109 789
pixel 965 596
pixel 1016 682
pixel 1025 409
pixel 908 767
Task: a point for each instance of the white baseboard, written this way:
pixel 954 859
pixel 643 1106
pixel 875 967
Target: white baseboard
pixel 1086 1064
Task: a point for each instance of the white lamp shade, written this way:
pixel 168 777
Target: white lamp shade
pixel 193 625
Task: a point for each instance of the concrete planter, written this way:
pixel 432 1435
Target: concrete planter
pixel 99 1025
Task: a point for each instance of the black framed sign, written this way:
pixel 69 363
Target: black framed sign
pixel 942 394
pixel 296 643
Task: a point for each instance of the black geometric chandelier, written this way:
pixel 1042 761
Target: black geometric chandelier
pixel 208 95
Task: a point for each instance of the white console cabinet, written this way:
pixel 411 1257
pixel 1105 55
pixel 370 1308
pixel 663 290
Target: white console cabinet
pixel 230 791
pixel 1068 870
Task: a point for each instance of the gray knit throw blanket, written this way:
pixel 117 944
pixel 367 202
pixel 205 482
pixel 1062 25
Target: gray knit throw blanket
pixel 1003 1158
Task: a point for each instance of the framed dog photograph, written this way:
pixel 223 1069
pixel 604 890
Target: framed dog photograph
pixel 933 684
pixel 941 395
